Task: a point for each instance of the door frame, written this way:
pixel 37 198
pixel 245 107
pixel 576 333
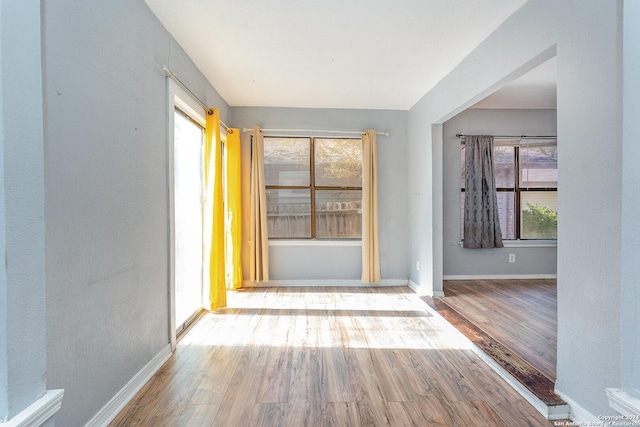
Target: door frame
pixel 176 98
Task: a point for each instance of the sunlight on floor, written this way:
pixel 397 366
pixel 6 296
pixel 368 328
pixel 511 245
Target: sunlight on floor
pixel 324 319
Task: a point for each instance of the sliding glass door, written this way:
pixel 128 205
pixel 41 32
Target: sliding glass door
pixel 187 181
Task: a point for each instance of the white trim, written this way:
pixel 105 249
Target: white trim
pixel 179 98
pixel 313 242
pixel 324 282
pixel 124 396
pixel 172 88
pixel 526 243
pixel 185 102
pixel 497 276
pixel 578 413
pixel 624 404
pixel 530 243
pixel 39 412
pixel 423 290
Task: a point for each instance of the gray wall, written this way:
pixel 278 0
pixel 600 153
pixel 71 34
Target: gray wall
pixel 457 260
pixel 22 279
pixel 344 262
pixel 630 295
pixel 106 202
pixel 587 39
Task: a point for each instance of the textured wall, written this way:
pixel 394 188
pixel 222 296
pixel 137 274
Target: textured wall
pixel 106 194
pixel 586 38
pixel 630 345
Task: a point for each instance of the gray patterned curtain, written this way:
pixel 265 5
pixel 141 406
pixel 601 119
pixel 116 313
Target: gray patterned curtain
pixel 481 221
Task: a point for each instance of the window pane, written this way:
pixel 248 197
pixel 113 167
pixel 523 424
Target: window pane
pixel 338 213
pixel 286 161
pixel 338 162
pixel 504 166
pixel 539 214
pixel 506 213
pixel 539 167
pixel 288 213
pixel 187 176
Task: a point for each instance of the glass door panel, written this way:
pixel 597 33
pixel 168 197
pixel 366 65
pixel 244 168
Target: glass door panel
pixel 187 176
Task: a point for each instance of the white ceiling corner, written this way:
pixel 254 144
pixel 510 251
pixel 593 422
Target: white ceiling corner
pixel 534 90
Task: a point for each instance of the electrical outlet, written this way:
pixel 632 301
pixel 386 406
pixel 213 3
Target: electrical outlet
pixel 512 257
pixel 418 265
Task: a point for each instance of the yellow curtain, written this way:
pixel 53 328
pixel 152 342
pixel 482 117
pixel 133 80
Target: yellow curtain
pixel 258 239
pixel 233 210
pixel 214 260
pixel 370 241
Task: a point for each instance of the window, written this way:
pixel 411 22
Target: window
pixel 314 187
pixel 527 183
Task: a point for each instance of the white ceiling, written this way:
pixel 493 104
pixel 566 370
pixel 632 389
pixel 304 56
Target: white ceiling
pixel 536 89
pixel 377 54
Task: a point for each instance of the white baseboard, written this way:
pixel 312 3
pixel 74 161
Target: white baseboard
pixel 497 276
pixel 39 412
pixel 557 412
pixel 579 415
pixel 124 396
pixel 624 404
pixel 551 413
pixel 330 282
pixel 424 290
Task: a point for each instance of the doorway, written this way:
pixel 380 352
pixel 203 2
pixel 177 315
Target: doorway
pixel 187 186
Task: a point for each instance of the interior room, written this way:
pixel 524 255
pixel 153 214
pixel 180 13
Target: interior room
pixel 509 294
pixel 101 188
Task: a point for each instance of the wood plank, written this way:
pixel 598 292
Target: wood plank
pixel 520 314
pixel 478 413
pixel 269 415
pixel 306 371
pixel 325 357
pixel 197 415
pixel 237 405
pixel 335 376
pixel 218 373
pixel 405 414
pixel 304 413
pixel 391 377
pixel 530 377
pixel 340 414
pixel 276 379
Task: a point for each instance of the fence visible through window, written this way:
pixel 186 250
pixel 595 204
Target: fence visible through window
pixel 314 187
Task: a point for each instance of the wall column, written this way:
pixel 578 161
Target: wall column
pixel 627 399
pixel 23 358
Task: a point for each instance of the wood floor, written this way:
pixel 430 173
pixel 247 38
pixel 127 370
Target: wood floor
pixel 520 314
pixel 326 357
